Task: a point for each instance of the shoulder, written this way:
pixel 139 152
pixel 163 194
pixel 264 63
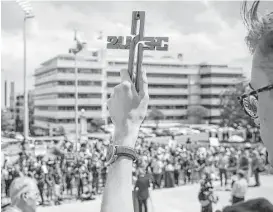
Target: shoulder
pixel 11 209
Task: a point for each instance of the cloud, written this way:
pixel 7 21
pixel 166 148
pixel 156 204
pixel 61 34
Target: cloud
pixel 202 31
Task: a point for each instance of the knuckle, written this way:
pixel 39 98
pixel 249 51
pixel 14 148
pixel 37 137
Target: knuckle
pixel 126 86
pixel 147 97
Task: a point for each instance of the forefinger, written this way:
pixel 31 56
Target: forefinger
pixel 143 83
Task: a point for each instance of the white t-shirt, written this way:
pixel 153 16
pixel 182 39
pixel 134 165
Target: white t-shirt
pixel 239 188
pixel 172 144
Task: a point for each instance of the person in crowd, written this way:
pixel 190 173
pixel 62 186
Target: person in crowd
pixel 256 168
pixel 96 175
pixel 157 167
pixel 177 168
pixel 244 164
pixel 69 179
pixel 187 169
pixel 206 196
pixel 223 165
pixel 201 162
pixel 169 175
pixel 239 188
pixel 40 178
pixel 57 177
pixel 24 195
pixel 50 184
pixel 103 174
pixel 142 188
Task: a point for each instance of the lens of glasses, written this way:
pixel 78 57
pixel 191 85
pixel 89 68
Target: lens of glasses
pixel 250 105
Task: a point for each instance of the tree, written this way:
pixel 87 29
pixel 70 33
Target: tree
pixel 96 124
pixel 156 115
pixel 232 113
pixel 60 131
pixel 7 123
pixel 196 113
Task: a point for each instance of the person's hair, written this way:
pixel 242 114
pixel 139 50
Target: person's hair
pixel 18 187
pixel 257 25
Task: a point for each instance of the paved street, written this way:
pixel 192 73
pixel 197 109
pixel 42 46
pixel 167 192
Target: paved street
pixel 180 199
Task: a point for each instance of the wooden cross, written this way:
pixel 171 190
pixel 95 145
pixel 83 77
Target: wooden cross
pixel 144 43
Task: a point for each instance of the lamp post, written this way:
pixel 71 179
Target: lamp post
pixel 80 44
pixel 27 9
pixel 102 57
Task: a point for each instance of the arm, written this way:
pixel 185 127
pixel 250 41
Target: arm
pixel 234 188
pixel 127 109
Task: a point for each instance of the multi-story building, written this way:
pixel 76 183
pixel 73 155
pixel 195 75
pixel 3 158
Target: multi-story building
pixel 173 86
pixel 19 111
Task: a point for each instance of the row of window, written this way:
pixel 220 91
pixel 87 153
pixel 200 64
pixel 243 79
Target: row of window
pixel 111 85
pixel 216 86
pixel 163 96
pixel 212 106
pixel 68 70
pixel 69 96
pixel 80 70
pixel 220 75
pixel 166 75
pixel 209 96
pixel 80 83
pixel 72 120
pixel 46 74
pixel 168 96
pixel 69 83
pixel 67 108
pixel 99 95
pixel 166 107
pixel 55 121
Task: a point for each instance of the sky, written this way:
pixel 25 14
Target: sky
pixel 203 31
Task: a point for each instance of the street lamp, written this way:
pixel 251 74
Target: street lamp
pixel 28 14
pixel 102 55
pixel 80 44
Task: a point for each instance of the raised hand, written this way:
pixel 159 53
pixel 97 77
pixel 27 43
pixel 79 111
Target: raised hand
pixel 128 108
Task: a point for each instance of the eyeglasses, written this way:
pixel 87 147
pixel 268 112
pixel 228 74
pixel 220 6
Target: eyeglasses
pixel 249 101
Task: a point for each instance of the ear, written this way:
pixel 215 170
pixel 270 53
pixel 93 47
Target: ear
pixel 25 196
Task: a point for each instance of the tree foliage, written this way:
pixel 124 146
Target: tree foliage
pixel 7 123
pixel 197 111
pixel 156 115
pixel 96 124
pixel 232 113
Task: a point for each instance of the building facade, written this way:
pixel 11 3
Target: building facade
pixel 19 111
pixel 173 87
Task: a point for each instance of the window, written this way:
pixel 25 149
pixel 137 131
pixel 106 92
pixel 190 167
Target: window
pixel 66 70
pixel 89 95
pixel 111 85
pixel 48 108
pixel 89 71
pixel 167 86
pixel 184 76
pixel 66 108
pixel 66 121
pixel 46 96
pixel 209 96
pixel 168 96
pixel 211 106
pixel 215 86
pixel 168 107
pixel 89 108
pixel 113 74
pixel 220 75
pixel 45 74
pixel 66 95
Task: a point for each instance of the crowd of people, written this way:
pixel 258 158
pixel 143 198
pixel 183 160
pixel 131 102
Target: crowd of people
pixel 63 175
